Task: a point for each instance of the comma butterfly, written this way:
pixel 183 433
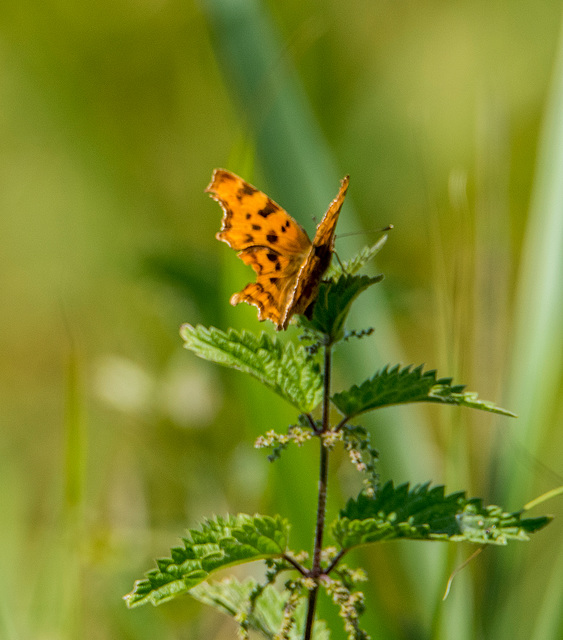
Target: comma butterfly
pixel 289 267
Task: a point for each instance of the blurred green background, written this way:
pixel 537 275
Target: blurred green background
pixel 449 118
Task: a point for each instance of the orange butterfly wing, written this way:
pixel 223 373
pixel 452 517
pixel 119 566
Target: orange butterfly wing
pixel 318 258
pixel 288 266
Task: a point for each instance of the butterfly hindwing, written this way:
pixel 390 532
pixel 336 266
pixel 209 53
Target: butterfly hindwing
pixel 255 294
pixel 276 276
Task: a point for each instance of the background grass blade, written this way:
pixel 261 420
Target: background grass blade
pixel 537 365
pixel 302 174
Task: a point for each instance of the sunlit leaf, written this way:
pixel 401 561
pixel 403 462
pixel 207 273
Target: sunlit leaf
pixel 288 370
pixel 400 386
pixel 426 513
pixel 218 543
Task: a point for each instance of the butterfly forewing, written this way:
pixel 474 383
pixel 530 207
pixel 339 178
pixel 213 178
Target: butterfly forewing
pixel 253 219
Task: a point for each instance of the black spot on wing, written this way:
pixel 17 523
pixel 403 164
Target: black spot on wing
pixel 246 190
pixel 272 237
pixel 268 209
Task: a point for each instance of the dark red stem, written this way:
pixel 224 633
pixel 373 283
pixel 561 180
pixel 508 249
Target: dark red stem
pixel 316 569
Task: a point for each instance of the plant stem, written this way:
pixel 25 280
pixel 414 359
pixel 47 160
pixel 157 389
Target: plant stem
pixel 321 511
pixel 321 504
pixel 311 606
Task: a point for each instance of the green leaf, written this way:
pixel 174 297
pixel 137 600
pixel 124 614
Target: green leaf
pixel 425 513
pixel 216 544
pixel 288 370
pixel 232 597
pixel 399 386
pixel 333 304
pixel 352 266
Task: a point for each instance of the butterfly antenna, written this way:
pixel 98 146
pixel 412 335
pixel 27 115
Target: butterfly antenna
pixel 340 262
pixel 355 233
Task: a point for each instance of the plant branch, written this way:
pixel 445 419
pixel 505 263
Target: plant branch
pixel 295 564
pixel 336 560
pixel 311 421
pixel 341 424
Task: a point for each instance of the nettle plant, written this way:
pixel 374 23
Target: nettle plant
pixel 301 374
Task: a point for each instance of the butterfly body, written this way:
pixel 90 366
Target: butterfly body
pixel 289 267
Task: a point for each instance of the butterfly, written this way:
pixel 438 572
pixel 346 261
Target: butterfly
pixel 289 267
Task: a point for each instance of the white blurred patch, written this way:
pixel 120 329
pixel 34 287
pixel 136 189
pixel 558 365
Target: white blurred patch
pixel 186 394
pixel 190 396
pixel 124 385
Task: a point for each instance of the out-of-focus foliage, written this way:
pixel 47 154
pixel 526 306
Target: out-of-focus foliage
pixel 448 118
pixel 232 596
